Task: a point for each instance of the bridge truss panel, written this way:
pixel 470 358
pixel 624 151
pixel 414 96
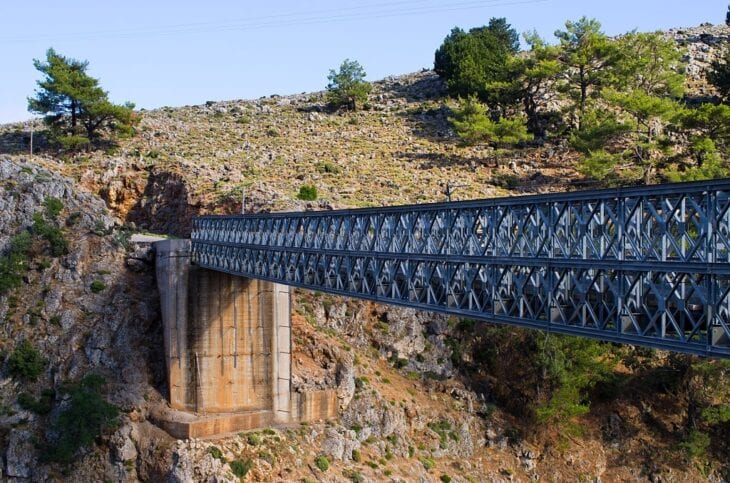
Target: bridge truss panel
pixel 647 265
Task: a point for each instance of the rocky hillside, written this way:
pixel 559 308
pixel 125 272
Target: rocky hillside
pixel 424 397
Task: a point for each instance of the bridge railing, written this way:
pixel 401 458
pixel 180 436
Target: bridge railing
pixel 645 265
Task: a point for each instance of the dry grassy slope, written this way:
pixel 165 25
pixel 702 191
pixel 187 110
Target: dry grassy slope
pixel 400 150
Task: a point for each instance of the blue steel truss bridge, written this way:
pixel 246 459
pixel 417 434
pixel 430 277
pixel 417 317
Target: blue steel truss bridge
pixel 645 265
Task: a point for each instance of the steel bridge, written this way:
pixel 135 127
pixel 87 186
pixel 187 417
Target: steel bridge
pixel 645 265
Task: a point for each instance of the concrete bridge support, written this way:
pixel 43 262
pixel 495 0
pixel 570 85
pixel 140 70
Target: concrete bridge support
pixel 227 342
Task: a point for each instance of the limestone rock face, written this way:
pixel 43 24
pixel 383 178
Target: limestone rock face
pixel 20 455
pixel 374 416
pixel 703 45
pixel 345 382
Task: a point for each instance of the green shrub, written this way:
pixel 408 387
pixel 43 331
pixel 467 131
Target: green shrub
pixel 26 362
pixel 354 476
pixel 54 206
pixel 322 463
pixel 87 415
pixel 15 262
pixel 445 478
pixel 444 430
pixel 253 439
pixel 73 143
pixel 215 452
pixel 268 457
pixel 696 444
pixel 38 406
pixel 240 468
pixel 328 168
pixel 97 286
pixel 428 463
pixel 474 125
pixel 51 233
pixel 307 192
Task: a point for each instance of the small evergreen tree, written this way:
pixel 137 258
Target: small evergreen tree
pixel 727 16
pixel 531 77
pixel 719 75
pixel 572 366
pixel 348 86
pixel 473 125
pixel 83 419
pixel 75 107
pixel 26 362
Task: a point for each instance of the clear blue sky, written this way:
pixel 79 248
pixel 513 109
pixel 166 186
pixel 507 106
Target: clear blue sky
pixel 158 53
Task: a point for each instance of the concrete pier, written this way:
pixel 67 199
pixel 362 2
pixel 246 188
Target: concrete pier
pixel 227 349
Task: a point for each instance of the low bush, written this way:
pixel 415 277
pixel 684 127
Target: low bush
pixel 215 452
pixel 307 192
pixel 240 468
pixel 25 362
pixel 54 206
pixel 85 418
pixel 39 406
pixel 97 286
pixel 322 463
pixel 57 243
pixel 15 262
pixel 428 463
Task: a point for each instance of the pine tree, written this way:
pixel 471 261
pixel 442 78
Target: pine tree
pixel 719 75
pixel 532 77
pixel 347 87
pixel 708 127
pixel 638 101
pixel 586 54
pixel 650 63
pixel 473 125
pixel 75 107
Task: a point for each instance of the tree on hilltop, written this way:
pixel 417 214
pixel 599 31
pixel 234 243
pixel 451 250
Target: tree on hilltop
pixel 75 107
pixel 470 61
pixel 348 86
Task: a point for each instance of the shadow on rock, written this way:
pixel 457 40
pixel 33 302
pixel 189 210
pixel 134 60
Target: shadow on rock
pixel 164 206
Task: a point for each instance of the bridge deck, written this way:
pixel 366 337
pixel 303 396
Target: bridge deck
pixel 645 265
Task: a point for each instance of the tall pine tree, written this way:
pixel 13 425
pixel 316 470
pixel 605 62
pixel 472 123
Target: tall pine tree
pixel 74 106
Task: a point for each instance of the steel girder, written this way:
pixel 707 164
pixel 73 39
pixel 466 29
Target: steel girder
pixel 647 265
